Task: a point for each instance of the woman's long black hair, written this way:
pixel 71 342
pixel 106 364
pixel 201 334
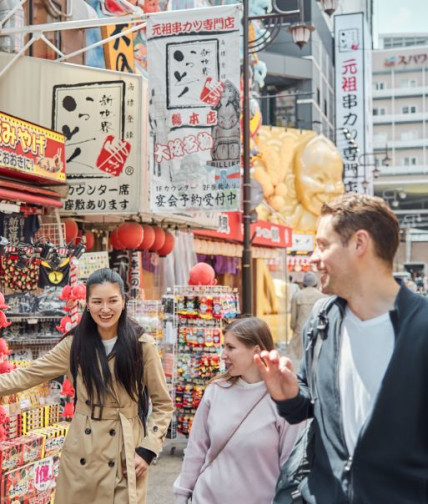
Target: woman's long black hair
pixel 88 353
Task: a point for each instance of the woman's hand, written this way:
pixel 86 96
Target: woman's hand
pixel 141 467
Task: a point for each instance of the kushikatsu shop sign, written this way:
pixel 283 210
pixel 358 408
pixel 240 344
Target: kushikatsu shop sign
pixel 193 64
pixel 31 152
pixel 353 99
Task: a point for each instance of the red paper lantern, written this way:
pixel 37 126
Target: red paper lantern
pixel 89 240
pixel 71 230
pixel 114 241
pixel 149 237
pixel 130 234
pixel 168 246
pixel 159 239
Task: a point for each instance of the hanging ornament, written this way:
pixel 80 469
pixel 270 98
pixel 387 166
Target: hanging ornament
pixel 3 305
pixel 168 246
pixel 149 237
pixel 71 230
pixel 130 234
pixel 159 239
pixel 3 321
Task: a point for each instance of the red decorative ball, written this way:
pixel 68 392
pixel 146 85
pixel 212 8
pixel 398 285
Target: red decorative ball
pixel 159 239
pixel 130 234
pixel 114 241
pixel 149 237
pixel 168 246
pixel 202 274
pixel 89 240
pixel 71 230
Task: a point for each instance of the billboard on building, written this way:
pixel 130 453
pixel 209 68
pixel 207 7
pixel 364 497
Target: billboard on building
pixel 194 114
pixel 354 100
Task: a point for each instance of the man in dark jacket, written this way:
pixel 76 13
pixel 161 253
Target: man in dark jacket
pixel 371 403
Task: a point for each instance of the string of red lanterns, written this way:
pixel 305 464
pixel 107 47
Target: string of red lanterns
pixel 130 235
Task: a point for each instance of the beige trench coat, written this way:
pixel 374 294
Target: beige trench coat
pixel 96 451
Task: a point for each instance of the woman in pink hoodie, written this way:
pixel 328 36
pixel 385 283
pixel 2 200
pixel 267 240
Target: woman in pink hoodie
pixel 227 466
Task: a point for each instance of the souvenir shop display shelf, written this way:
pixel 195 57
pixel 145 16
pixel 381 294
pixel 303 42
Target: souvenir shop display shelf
pixel 199 315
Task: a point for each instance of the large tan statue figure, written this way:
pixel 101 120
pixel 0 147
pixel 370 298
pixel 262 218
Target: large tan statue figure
pixel 299 171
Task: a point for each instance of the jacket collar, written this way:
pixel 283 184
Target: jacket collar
pixel 404 302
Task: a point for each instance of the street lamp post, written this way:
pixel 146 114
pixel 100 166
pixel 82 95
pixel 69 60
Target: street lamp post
pixel 375 171
pixel 300 32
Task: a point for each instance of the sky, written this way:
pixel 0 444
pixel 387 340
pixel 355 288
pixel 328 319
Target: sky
pixel 394 16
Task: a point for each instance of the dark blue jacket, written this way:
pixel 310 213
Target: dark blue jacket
pixel 390 462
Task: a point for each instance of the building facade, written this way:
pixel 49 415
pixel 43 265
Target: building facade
pixel 299 88
pixel 400 123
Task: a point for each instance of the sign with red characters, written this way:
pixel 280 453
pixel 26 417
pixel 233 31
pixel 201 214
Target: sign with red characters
pixel 31 152
pixel 265 233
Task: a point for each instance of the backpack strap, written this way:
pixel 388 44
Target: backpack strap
pixel 316 335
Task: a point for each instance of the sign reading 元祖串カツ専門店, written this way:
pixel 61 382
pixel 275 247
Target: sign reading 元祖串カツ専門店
pixel 194 66
pixel 353 99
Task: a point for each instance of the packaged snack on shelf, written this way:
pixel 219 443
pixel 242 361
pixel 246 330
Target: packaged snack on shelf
pixel 10 455
pixel 30 482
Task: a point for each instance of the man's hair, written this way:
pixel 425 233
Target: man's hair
pixel 352 212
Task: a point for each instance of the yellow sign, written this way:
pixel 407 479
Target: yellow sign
pixel 119 52
pixel 30 150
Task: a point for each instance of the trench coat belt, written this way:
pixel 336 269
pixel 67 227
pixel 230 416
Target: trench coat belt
pixel 123 415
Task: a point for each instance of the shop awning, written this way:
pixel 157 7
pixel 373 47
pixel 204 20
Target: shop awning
pixel 13 191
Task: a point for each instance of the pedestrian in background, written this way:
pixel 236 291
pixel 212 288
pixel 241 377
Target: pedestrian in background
pixel 238 441
pixel 110 360
pixel 368 398
pixel 301 306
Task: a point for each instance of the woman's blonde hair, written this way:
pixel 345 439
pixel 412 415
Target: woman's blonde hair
pixel 250 331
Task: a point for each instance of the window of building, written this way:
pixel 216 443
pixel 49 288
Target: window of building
pixel 410 161
pixel 379 86
pixel 408 109
pixel 409 83
pixel 380 137
pixel 409 135
pixel 318 96
pixel 378 111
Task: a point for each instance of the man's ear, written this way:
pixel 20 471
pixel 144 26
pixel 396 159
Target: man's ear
pixel 361 240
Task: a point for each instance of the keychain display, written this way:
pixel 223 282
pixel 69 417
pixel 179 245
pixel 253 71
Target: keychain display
pixel 199 312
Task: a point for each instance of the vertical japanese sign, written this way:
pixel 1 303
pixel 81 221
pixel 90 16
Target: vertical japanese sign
pixel 101 121
pixel 194 114
pixel 353 99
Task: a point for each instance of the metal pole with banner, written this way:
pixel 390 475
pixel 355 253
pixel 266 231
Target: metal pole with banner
pixel 194 118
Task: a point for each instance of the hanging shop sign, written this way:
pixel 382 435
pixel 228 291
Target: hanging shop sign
pixel 303 243
pixel 31 152
pixel 354 98
pixel 265 233
pixel 100 112
pixel 193 63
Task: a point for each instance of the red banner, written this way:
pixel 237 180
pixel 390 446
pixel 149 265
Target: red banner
pixel 31 152
pixel 265 233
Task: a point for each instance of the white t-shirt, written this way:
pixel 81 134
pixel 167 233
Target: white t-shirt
pixel 109 344
pixel 366 350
